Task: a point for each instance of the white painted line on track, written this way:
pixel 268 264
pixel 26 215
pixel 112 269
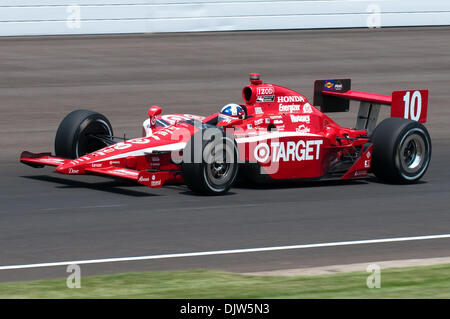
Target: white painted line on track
pixel 225 252
pixel 82 207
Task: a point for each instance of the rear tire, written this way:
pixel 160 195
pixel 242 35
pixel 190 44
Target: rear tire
pixel 210 162
pixel 401 151
pixel 73 138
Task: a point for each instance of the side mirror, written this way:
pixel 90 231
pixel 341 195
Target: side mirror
pixel 153 112
pixel 230 122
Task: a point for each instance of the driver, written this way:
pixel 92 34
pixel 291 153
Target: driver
pixel 231 111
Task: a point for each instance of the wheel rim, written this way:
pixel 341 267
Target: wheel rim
pixel 87 143
pixel 413 154
pixel 218 171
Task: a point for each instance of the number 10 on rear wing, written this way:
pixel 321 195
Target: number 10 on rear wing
pixel 335 96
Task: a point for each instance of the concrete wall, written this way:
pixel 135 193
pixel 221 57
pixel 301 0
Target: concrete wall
pixel 55 17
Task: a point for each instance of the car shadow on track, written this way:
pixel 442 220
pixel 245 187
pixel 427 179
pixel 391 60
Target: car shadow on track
pixel 380 181
pixel 248 185
pixel 191 193
pixel 298 184
pixel 317 183
pixel 111 186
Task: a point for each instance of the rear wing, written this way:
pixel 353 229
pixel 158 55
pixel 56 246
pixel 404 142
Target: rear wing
pixel 335 96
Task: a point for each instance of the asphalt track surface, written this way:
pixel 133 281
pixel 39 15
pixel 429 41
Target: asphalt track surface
pixel 47 217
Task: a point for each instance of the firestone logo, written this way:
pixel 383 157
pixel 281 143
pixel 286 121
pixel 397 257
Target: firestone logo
pixel 288 151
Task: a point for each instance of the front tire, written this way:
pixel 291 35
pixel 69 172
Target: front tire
pixel 210 162
pixel 401 151
pixel 74 137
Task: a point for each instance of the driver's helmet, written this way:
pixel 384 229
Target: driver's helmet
pixel 231 111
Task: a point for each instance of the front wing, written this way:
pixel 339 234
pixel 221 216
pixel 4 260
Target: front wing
pixel 150 179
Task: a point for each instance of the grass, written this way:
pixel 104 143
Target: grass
pixel 413 282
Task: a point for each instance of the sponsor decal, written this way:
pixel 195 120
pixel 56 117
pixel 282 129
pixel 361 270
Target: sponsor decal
pixel 288 107
pixel 290 99
pixel 166 131
pixel 155 158
pixel 114 162
pixel 173 118
pixel 249 126
pixel 288 151
pixel 80 160
pixel 278 122
pixel 97 165
pixel 265 94
pixel 303 129
pixel 307 108
pixel 144 179
pixel 258 110
pixel 300 118
pixel 156 183
pixel 360 173
pixel 227 121
pixel 332 85
pixel 328 85
pixel 265 98
pixel 122 146
pixel 276 117
pixel 259 122
pixel 265 90
pixel 73 171
pixel 139 141
pixel 267 121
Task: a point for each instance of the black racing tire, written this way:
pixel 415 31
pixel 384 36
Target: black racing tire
pixel 74 136
pixel 203 170
pixel 401 151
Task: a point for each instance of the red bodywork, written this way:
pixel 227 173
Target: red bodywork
pixel 283 133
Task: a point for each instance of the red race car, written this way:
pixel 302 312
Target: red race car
pixel 278 136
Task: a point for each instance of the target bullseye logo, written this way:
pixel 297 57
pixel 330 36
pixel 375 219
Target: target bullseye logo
pixel 262 152
pixel 302 150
